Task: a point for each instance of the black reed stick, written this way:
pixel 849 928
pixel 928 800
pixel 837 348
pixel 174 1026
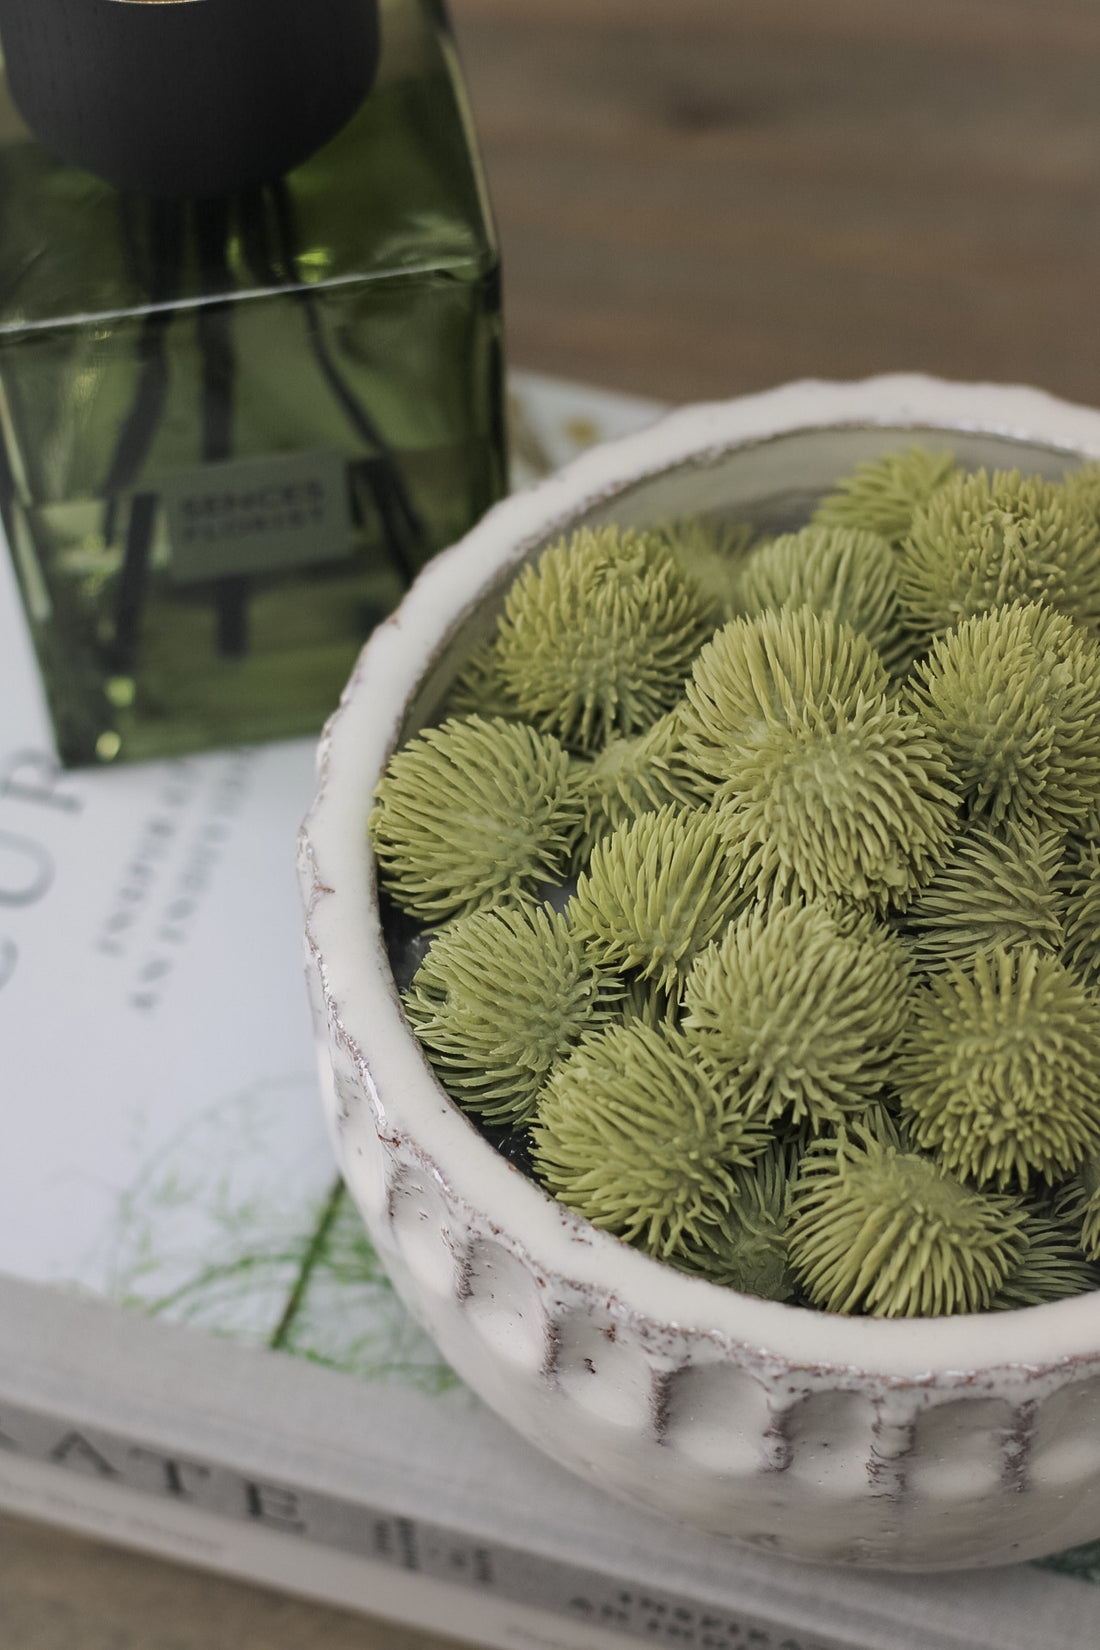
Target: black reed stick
pixel 161 278
pixel 162 281
pixel 219 371
pixel 130 590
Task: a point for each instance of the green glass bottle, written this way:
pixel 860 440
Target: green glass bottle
pixel 243 395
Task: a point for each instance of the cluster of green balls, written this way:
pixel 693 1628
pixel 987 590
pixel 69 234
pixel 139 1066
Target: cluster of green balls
pixel 762 883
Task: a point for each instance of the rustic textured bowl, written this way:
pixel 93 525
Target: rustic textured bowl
pixel 918 1444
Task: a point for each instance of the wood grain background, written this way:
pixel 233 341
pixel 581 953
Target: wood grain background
pixel 698 198
pixel 701 197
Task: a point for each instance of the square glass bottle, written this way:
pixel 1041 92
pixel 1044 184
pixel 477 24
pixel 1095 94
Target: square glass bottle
pixel 236 419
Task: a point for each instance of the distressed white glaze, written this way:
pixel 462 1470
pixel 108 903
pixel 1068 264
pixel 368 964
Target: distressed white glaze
pixel 931 1443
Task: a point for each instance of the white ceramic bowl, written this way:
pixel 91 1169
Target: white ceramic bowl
pixel 916 1444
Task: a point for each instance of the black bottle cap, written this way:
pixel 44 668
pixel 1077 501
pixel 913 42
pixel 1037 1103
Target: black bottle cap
pixel 188 97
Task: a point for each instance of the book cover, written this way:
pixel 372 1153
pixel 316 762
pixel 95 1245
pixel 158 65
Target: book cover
pixel 199 1352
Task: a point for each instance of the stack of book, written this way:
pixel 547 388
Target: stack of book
pixel 199 1353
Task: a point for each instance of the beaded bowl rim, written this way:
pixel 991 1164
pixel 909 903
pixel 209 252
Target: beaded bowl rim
pixel 343 924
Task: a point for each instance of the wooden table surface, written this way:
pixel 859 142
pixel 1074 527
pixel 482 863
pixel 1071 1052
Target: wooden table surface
pixel 698 198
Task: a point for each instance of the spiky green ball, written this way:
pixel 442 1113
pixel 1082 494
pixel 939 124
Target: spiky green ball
pixel 636 776
pixel 500 998
pixel 845 571
pixel 780 670
pixel 997 1071
pixel 1078 882
pixel 1053 1268
pixel 479 689
pixel 657 890
pixel 648 1002
pixel 633 1133
pixel 990 890
pixel 883 494
pixel 882 1122
pixel 982 542
pixel 709 553
pixel 858 809
pixel 747 1249
pixel 1083 487
pixel 598 635
pixel 1077 1203
pixel 830 790
pixel 473 812
pixel 888 1233
pixel 1013 695
pixel 878 1117
pixel 1082 490
pixel 802 1018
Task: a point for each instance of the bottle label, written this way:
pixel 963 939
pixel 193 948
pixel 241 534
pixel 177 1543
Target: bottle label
pixel 257 515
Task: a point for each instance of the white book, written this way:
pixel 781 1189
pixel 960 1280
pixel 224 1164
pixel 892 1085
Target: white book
pixel 199 1353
